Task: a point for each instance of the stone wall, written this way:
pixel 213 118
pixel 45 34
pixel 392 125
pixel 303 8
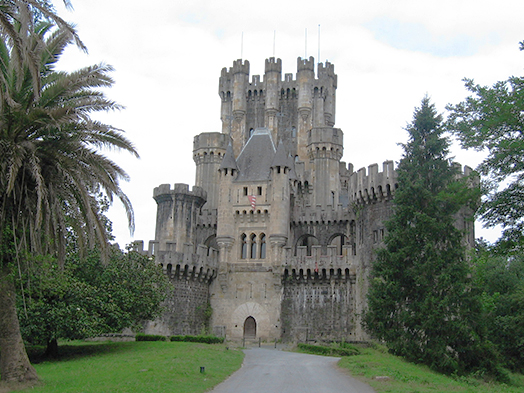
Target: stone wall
pixel 186 309
pixel 317 309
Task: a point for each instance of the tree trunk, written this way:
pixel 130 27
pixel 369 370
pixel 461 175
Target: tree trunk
pixel 52 349
pixel 14 363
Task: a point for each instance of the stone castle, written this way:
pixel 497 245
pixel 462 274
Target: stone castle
pixel 277 237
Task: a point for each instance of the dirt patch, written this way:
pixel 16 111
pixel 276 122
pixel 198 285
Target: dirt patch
pixel 6 387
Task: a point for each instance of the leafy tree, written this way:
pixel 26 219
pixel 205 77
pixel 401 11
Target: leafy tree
pixel 51 167
pixel 88 297
pixel 420 298
pixel 501 279
pixel 491 120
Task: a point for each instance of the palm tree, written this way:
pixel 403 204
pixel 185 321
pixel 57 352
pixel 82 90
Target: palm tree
pixel 51 165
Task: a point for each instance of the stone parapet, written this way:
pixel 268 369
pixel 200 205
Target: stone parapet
pixel 314 214
pixel 200 263
pixel 317 265
pixel 372 186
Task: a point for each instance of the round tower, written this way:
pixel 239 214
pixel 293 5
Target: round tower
pixel 225 91
pixel 328 80
pixel 305 80
pixel 208 151
pixel 280 201
pixel 272 79
pixel 325 148
pixel 240 72
pixel 177 215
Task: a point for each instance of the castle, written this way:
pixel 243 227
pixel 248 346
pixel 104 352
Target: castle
pixel 277 237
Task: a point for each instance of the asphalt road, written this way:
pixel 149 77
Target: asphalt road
pixel 273 371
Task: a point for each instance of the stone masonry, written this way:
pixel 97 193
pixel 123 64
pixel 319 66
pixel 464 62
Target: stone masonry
pixel 278 235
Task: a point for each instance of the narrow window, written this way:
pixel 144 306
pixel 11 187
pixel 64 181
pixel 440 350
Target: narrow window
pixel 253 245
pixel 245 191
pixel 259 190
pixel 262 246
pixel 243 246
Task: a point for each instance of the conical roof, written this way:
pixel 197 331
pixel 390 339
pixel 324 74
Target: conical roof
pixel 281 158
pixel 229 162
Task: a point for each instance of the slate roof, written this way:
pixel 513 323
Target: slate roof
pixel 254 161
pixel 229 159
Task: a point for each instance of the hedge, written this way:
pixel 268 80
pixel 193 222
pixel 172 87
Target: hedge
pixel 198 339
pixel 149 337
pixel 347 350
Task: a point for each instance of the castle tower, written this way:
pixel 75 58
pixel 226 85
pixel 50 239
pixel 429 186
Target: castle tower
pixel 325 150
pixel 208 151
pixel 240 72
pixel 328 80
pixel 272 79
pixel 177 215
pixel 305 80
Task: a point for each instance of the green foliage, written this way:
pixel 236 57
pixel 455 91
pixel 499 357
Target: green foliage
pixel 501 278
pixel 420 299
pixel 149 337
pixel 346 350
pixel 374 363
pixel 198 339
pixel 137 367
pixel 87 297
pixel 490 120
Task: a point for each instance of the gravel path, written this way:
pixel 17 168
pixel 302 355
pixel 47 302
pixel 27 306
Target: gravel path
pixel 273 371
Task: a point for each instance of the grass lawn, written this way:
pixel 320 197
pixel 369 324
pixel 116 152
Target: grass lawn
pixel 137 367
pixel 406 377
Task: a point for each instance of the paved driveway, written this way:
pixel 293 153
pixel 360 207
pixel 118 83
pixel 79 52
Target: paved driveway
pixel 274 371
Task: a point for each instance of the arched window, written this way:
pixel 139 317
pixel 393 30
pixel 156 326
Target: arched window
pixel 243 246
pixel 253 246
pixel 262 246
pixel 251 131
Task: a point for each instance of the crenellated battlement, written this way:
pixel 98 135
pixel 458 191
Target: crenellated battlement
pixel 179 188
pixel 373 186
pixel 304 266
pixel 325 135
pixel 240 66
pixel 326 70
pixel 318 214
pixel 306 64
pixel 273 65
pixel 201 264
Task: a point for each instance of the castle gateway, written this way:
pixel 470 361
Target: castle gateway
pixel 277 237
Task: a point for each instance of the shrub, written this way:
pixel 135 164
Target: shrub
pixel 149 337
pixel 347 350
pixel 198 339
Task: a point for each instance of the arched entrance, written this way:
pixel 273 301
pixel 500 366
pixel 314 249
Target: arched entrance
pixel 250 328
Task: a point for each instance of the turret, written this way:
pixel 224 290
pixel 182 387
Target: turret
pixel 325 148
pixel 305 80
pixel 228 171
pixel 240 72
pixel 177 211
pixel 208 151
pixel 328 80
pixel 272 79
pixel 280 199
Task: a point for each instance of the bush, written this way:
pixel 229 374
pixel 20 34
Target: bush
pixel 198 339
pixel 149 337
pixel 347 350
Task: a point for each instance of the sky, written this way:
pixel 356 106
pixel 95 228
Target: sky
pixel 387 54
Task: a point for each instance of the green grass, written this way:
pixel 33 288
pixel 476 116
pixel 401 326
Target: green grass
pixel 410 378
pixel 137 367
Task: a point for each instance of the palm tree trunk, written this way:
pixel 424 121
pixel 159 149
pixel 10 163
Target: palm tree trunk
pixel 14 363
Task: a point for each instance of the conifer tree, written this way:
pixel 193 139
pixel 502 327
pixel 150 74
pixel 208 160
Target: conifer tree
pixel 420 299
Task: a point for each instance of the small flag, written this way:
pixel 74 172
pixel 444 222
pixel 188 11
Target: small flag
pixel 253 201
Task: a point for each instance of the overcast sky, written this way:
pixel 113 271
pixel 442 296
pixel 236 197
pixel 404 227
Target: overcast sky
pixel 387 55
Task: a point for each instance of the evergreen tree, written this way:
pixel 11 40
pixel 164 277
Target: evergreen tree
pixel 420 299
